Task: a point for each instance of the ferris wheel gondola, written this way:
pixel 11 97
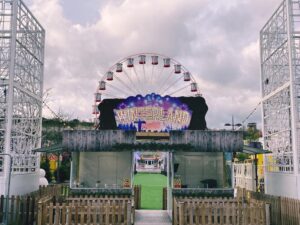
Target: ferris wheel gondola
pixel 144 74
pixel 109 76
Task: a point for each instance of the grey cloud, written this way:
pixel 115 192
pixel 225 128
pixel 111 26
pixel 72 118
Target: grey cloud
pixel 215 40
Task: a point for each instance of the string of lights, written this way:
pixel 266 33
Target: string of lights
pixel 251 113
pixel 52 111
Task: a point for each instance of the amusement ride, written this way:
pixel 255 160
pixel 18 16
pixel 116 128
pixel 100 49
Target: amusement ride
pixel 143 74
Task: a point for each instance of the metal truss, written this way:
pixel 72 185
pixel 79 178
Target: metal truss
pixel 280 81
pixel 21 85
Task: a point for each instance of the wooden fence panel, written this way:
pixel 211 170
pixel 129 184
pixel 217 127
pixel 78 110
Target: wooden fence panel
pixel 290 211
pixel 273 201
pixel 283 211
pixel 20 210
pixel 23 210
pixel 217 211
pixel 102 214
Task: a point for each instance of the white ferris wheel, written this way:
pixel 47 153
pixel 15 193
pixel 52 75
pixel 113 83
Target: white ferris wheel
pixel 144 74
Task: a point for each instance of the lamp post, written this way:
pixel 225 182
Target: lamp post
pixel 232 124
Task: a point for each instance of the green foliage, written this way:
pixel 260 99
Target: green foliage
pixel 219 193
pixel 252 134
pixel 63 171
pixel 14 222
pixel 52 135
pixel 242 157
pixel 154 146
pixel 46 166
pixel 52 129
pixel 51 122
pixel 59 123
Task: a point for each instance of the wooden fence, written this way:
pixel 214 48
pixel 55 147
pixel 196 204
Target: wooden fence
pixel 87 200
pixel 54 205
pixel 208 200
pixel 213 211
pixel 51 190
pixel 103 200
pixel 137 196
pixel 283 211
pixel 165 198
pixel 102 214
pixel 23 210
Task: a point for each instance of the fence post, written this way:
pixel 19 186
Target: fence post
pixel 137 196
pixel 181 213
pixel 128 213
pixel 165 194
pixel 175 211
pixel 140 196
pixel 40 213
pixel 267 205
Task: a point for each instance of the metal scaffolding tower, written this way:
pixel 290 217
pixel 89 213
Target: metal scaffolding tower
pixel 21 87
pixel 280 82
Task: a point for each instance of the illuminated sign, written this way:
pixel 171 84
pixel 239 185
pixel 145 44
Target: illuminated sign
pixel 152 113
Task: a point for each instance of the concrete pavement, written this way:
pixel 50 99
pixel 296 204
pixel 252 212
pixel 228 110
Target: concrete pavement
pixel 151 217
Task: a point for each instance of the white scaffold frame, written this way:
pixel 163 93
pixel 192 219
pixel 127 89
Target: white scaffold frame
pixel 22 41
pixel 280 85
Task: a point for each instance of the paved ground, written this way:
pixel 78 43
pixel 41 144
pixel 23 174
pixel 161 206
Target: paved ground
pixel 151 217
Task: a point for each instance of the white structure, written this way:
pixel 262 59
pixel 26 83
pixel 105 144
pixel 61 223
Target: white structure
pixel 280 82
pixel 21 89
pixel 42 180
pixel 152 162
pixel 244 175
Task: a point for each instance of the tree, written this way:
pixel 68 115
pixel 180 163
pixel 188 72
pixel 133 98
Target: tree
pixel 252 134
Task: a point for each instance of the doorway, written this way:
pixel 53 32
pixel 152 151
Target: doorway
pixel 151 174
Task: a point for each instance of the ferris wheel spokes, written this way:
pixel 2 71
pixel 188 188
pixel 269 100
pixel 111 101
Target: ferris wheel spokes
pixel 172 84
pixel 127 87
pixel 178 90
pixel 110 95
pixel 151 77
pixel 138 78
pixel 145 77
pixel 131 81
pixel 166 80
pixel 118 89
pixel 159 74
pixel 144 74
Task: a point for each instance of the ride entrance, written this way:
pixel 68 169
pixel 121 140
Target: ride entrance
pixel 147 108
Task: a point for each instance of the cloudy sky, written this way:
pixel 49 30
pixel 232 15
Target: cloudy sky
pixel 218 41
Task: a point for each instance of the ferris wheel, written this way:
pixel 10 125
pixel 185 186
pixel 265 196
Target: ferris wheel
pixel 143 74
